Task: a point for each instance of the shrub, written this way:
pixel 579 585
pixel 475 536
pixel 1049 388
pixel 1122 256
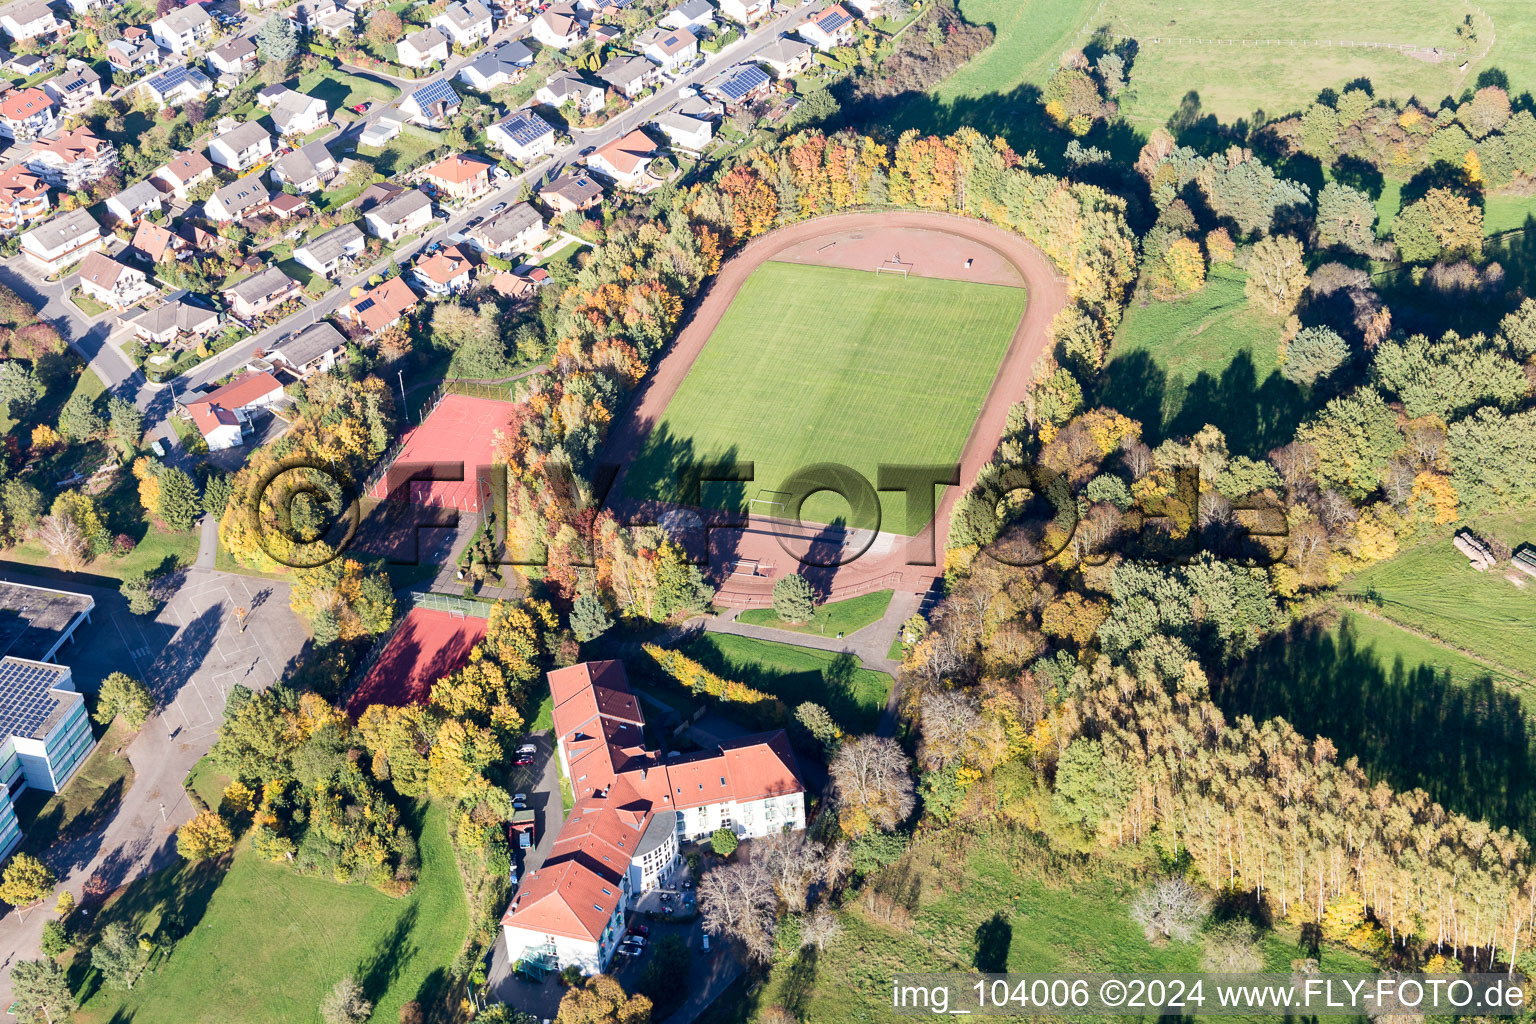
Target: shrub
pixel 724 842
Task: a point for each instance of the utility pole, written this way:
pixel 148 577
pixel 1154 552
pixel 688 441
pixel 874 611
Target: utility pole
pixel 401 374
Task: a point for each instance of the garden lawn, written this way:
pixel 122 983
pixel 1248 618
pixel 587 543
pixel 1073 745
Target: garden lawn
pixel 341 89
pixel 402 152
pixel 1432 588
pixel 86 801
pixel 990 901
pixel 830 619
pixel 267 944
pixel 1210 357
pixel 817 364
pixel 794 675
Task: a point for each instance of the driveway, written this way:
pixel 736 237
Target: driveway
pixel 190 654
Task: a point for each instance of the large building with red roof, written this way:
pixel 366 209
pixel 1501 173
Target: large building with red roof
pixel 633 807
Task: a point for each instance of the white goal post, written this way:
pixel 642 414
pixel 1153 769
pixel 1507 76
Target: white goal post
pixel 886 268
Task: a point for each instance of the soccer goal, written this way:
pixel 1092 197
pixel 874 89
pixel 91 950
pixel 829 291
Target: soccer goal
pixel 890 267
pixel 768 502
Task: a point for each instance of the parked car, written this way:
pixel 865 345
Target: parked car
pixel 527 748
pixel 523 761
pixel 498 208
pixel 639 929
pixel 635 940
pixel 473 222
pixel 360 108
pixel 705 942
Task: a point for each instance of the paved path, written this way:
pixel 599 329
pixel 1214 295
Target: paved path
pixel 207 542
pixel 191 653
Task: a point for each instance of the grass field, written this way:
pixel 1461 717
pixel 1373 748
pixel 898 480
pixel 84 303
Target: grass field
pixel 830 619
pixel 1431 588
pixel 992 902
pixel 816 364
pixel 85 803
pixel 263 944
pixel 1207 358
pixel 403 151
pixel 342 89
pixel 794 674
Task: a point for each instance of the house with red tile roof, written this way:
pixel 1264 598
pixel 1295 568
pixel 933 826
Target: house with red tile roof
pixel 633 807
pixel 222 416
pixel 446 272
pixel 381 306
pixel 624 160
pixel 23 198
pixel 26 113
pixel 460 176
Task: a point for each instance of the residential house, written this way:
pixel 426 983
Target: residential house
pixel 112 283
pixel 76 89
pixel 170 320
pixel 87 6
pixel 23 198
pixel 417 50
pixel 521 287
pixel 460 176
pixel 268 95
pixel 446 272
pixel 558 27
pixel 232 61
pixel 501 65
pixel 786 56
pixel 683 132
pixel 512 232
pixel 330 253
pixel 261 293
pixel 27 64
pixel 625 160
pixel 176 85
pixel 701 107
pixel 381 306
pixel 182 29
pixel 46 735
pixel 334 22
pixel 690 14
pixel 241 198
pixel 740 84
pixel 241 147
pixel 62 242
pixel 26 113
pixel 629 76
pixel 829 29
pixel 406 213
pixel 375 194
pixel 308 168
pixel 134 203
pixel 73 160
pixel 223 416
pixel 432 105
pixel 525 136
pixel 633 806
pixel 569 87
pixel 295 114
pixel 30 20
pixel 745 12
pixel 184 172
pixel 315 349
pixel 285 205
pixel 153 243
pixel 466 22
pixel 671 48
pixel 132 56
pixel 569 192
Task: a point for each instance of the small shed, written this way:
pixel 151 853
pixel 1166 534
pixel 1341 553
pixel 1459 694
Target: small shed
pixel 1525 560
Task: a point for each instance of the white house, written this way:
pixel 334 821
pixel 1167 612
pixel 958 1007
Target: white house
pixel 446 272
pixel 308 168
pixel 686 133
pixel 671 48
pixel 133 203
pixel 235 58
pixel 315 349
pixel 745 12
pixel 690 14
pixel 625 160
pixel 787 57
pixel 29 20
pixel 524 136
pixel 27 113
pixel 241 147
pixel 501 65
pixel 568 87
pixel 629 76
pixel 72 160
pixel 176 85
pixel 182 29
pixel 432 105
pixel 294 113
pixel 112 283
pixel 830 29
pixel 466 22
pixel 419 49
pixel 328 254
pixel 512 232
pixel 223 417
pixel 76 89
pixel 406 213
pixel 559 27
pixel 62 242
pixel 240 198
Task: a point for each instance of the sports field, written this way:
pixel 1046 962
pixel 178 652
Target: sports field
pixel 426 646
pixel 819 364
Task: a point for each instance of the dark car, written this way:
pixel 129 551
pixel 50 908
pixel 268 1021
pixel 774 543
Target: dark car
pixel 640 930
pixel 472 222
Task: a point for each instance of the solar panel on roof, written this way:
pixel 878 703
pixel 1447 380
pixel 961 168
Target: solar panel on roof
pixel 25 702
pixel 743 82
pixel 364 306
pixel 834 20
pixel 434 93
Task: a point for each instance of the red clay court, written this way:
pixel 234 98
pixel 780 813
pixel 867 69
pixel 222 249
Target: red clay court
pixel 459 429
pixel 428 646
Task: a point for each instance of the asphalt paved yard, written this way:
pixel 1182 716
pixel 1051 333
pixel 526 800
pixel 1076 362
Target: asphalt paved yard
pixel 193 651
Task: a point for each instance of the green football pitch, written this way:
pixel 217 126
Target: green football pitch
pixel 816 364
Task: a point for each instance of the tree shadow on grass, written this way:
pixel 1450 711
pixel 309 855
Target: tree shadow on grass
pixel 994 937
pixel 1468 745
pixel 390 957
pixel 831 686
